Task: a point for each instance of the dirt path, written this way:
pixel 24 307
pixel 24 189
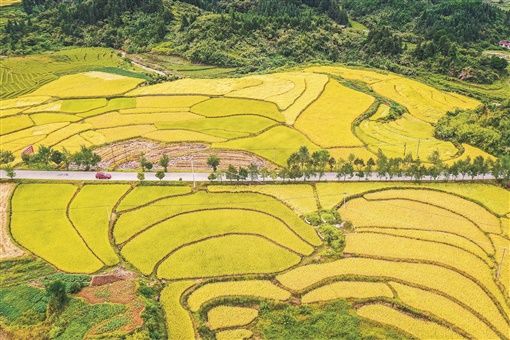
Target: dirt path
pixel 7 248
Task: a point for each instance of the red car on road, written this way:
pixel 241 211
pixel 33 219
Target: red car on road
pixel 102 175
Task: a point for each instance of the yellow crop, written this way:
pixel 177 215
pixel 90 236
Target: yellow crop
pixel 227 255
pixel 299 197
pixel 234 334
pixel 91 84
pixel 14 123
pixel 483 218
pixel 275 144
pixel 445 280
pixel 219 107
pixel 64 133
pixel 283 88
pixel 382 111
pixel 419 328
pixel 23 101
pixel 213 87
pixel 166 102
pixel 328 121
pixel 415 215
pixel 126 132
pixel 502 245
pixel 90 212
pixel 111 120
pixel 39 223
pixel 445 309
pixel 49 118
pixel 346 290
pixel 255 288
pixel 178 320
pixel 172 136
pixel 315 84
pixel 392 247
pixel 142 195
pixel 228 316
pixel 149 247
pixel 132 222
pixel 447 238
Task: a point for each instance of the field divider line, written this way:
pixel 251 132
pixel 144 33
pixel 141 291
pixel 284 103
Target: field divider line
pixel 489 294
pixel 401 186
pixel 77 191
pixel 123 244
pixel 430 241
pixel 388 279
pixel 491 243
pixel 436 206
pixel 184 245
pixel 387 230
pixel 410 311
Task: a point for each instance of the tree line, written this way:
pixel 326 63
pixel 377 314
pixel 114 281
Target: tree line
pixel 305 165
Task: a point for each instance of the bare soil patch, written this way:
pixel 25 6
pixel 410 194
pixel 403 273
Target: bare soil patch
pixel 120 292
pixel 7 247
pixel 125 155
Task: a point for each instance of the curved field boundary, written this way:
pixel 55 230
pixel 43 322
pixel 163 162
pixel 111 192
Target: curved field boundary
pixel 396 232
pixel 309 235
pixel 76 229
pixel 484 279
pixel 231 188
pixel 409 273
pixel 422 186
pixel 167 256
pixel 297 259
pixel 498 304
pixel 428 302
pixel 178 320
pixel 462 216
pixel 389 280
pixel 55 239
pixel 211 291
pixel 187 230
pixel 357 213
pixel 122 244
pixel 396 316
pixel 348 290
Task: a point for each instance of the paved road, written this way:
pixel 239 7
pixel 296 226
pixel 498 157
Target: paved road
pixel 188 177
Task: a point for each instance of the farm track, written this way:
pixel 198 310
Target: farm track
pixel 7 247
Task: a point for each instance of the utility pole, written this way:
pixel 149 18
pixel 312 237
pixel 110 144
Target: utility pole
pixel 418 149
pixel 405 149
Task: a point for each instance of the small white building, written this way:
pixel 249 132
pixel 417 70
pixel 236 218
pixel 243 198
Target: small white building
pixel 505 44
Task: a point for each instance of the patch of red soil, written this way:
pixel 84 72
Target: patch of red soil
pixel 125 155
pixel 120 292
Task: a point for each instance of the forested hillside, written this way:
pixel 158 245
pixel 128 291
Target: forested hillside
pixel 407 36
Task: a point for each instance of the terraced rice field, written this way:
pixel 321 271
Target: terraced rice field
pixel 423 259
pixel 269 116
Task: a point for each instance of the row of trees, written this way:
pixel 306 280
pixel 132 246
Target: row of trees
pixel 48 158
pixel 303 165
